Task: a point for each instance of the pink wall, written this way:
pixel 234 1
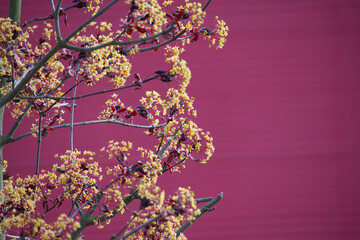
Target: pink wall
pixel 282 101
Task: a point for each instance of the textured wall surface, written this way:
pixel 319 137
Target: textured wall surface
pixel 282 101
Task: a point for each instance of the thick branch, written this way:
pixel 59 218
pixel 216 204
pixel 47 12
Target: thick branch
pixel 22 83
pixel 87 219
pixel 56 21
pixel 15 10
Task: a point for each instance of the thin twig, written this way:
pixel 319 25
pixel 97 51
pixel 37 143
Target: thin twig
pixel 141 226
pixel 116 43
pixel 206 5
pixel 90 123
pixel 123 229
pixel 160 44
pixel 52 5
pixel 57 100
pixel 167 169
pixel 167 144
pixel 72 120
pixel 135 84
pixel 18 121
pixel 38 146
pixel 81 96
pixel 16 237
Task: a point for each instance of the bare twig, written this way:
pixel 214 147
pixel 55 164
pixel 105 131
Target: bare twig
pixel 16 237
pixel 160 44
pixel 157 217
pixel 200 200
pixel 90 123
pixel 38 145
pixel 123 229
pixel 81 96
pixel 52 5
pixel 206 5
pixel 72 119
pixel 116 43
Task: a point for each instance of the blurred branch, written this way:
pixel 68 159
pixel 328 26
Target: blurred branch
pixel 123 229
pixel 157 217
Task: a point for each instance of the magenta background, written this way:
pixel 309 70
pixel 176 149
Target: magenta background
pixel 282 101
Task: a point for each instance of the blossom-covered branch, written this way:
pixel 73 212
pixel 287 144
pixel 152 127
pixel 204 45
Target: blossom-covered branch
pixel 36 65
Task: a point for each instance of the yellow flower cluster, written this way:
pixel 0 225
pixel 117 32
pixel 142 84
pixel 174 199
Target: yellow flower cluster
pixel 197 15
pixel 179 66
pixel 175 210
pixel 104 62
pixel 156 14
pixel 18 59
pixel 221 33
pixel 115 109
pixel 34 227
pixel 116 148
pixel 94 6
pixel 20 211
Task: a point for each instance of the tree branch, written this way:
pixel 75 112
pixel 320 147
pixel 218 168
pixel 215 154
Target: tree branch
pixel 160 44
pixel 22 83
pixel 56 21
pixel 72 120
pixel 207 207
pixel 123 229
pixel 18 121
pixel 115 43
pixel 81 96
pixel 15 10
pixel 10 140
pixel 157 217
pixel 38 146
pixel 206 5
pixel 87 22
